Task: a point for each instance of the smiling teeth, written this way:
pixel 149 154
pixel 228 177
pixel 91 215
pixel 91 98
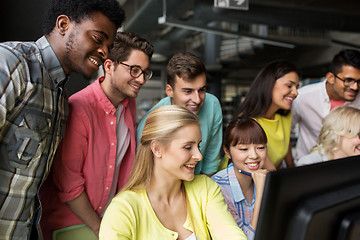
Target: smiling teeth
pixel 94 61
pixel 252 164
pixel 137 87
pixel 190 166
pixel 290 99
pixel 193 106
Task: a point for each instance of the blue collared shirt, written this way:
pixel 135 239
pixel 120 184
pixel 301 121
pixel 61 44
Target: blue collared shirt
pixel 239 207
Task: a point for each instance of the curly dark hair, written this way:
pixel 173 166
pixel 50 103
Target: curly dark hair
pixel 77 10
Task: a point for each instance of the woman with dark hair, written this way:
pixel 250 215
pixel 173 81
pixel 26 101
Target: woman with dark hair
pixel 269 102
pixel 242 182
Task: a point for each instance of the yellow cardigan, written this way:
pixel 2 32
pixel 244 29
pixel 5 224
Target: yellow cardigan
pixel 130 215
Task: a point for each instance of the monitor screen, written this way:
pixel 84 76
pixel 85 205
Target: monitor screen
pixel 314 202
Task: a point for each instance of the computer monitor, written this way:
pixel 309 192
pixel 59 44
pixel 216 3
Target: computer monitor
pixel 314 202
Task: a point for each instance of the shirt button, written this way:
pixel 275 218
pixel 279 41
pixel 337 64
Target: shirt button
pixel 107 188
pixel 112 144
pixel 107 112
pixel 110 166
pixel 112 123
pixel 100 207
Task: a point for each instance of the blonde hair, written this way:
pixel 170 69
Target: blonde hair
pixel 161 125
pixel 341 121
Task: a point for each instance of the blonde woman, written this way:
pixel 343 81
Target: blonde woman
pixel 339 137
pixel 163 199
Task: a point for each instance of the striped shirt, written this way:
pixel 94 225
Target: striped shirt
pixel 33 110
pixel 240 209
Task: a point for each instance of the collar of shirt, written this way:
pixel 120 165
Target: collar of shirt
pixel 104 101
pixel 235 185
pixel 324 92
pixel 51 62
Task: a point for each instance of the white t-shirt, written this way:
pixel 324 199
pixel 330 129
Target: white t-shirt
pixel 123 141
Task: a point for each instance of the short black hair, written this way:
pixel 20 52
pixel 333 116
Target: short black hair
pixel 346 57
pixel 77 10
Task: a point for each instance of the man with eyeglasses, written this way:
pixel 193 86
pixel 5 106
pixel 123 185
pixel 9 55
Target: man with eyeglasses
pixel 315 101
pixel 96 156
pixel 186 86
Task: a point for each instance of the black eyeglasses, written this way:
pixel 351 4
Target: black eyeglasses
pixel 136 71
pixel 348 82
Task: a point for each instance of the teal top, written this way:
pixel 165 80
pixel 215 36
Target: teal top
pixel 210 117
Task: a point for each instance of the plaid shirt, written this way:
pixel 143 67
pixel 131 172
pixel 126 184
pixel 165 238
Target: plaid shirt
pixel 241 209
pixel 33 110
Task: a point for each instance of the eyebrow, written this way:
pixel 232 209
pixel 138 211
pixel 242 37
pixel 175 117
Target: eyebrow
pixel 191 142
pixel 192 89
pixel 143 69
pixel 294 83
pixel 102 33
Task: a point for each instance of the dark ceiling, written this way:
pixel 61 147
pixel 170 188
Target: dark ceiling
pixel 237 43
pixel 240 42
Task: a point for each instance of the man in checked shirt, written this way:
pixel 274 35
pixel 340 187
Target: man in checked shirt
pixel 33 106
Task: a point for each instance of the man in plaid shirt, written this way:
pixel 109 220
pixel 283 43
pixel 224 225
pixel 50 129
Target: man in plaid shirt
pixel 33 106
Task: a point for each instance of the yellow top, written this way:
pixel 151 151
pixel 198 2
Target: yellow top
pixel 131 216
pixel 278 135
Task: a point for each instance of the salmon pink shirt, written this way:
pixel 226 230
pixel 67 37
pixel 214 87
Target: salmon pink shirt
pixel 86 157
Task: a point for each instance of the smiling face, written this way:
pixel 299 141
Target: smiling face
pixel 179 157
pixel 118 83
pixel 348 147
pixel 87 43
pixel 189 94
pixel 247 157
pixel 284 92
pixel 335 87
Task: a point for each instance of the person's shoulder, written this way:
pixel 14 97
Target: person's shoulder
pixel 128 204
pixel 84 100
pixel 211 108
pixel 163 102
pixel 211 98
pixel 220 176
pixel 311 88
pixel 17 50
pixel 311 158
pixel 131 197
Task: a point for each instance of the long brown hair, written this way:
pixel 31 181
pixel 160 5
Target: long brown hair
pixel 259 97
